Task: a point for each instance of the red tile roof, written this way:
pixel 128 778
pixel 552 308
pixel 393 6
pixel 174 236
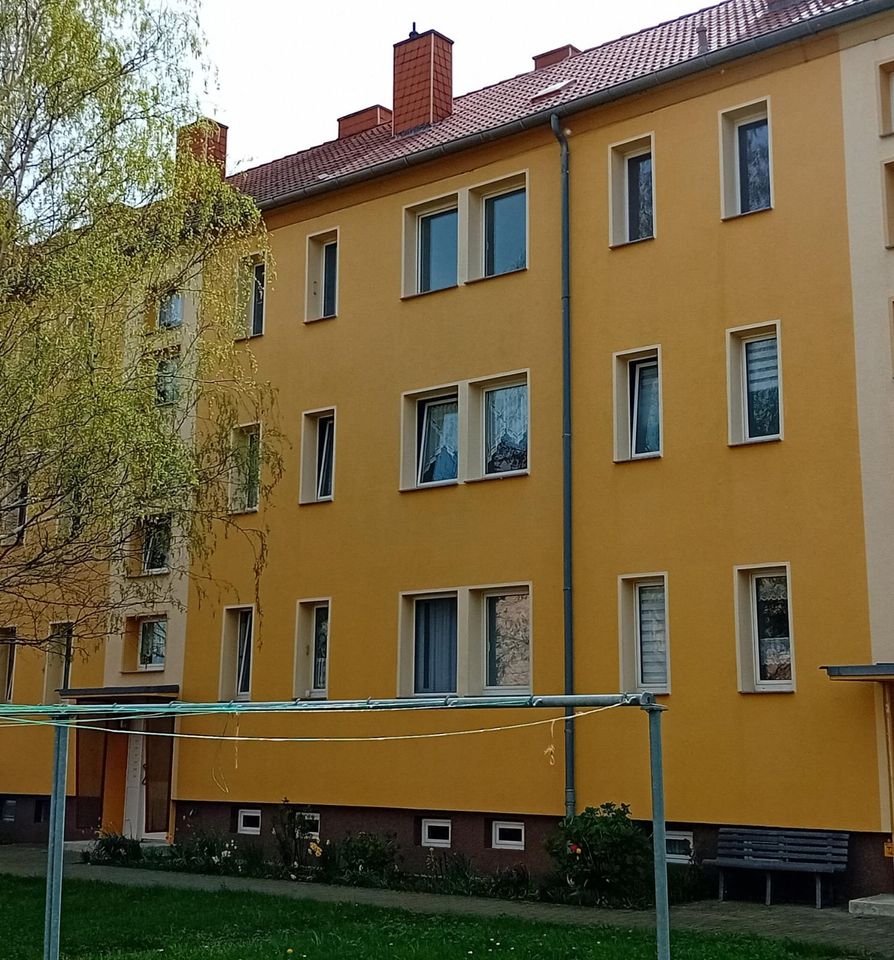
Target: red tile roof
pixel 590 72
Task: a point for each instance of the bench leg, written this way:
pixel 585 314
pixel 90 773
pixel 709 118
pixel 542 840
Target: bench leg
pixel 722 887
pixel 819 891
pixel 768 899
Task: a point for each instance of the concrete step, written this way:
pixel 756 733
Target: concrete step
pixel 881 905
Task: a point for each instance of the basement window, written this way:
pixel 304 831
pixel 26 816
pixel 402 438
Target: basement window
pixel 508 835
pixel 249 821
pixel 436 833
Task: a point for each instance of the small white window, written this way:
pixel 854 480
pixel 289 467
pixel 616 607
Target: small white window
pixel 170 311
pixel 317 456
pixel 312 653
pixel 764 629
pixel 643 628
pixel 754 378
pixel 507 640
pixel 322 276
pixel 436 833
pixel 746 159
pixel 632 191
pixel 311 825
pixel 7 663
pixel 57 670
pixel 508 835
pixel 437 440
pixel 886 100
pixel 8 810
pixel 498 227
pixel 153 642
pixel 167 378
pixel 13 509
pixel 638 414
pixel 252 294
pixel 155 544
pixel 249 821
pixel 245 474
pixel 237 649
pixel 678 844
pixel 505 430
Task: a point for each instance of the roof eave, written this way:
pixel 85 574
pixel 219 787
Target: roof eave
pixel 708 61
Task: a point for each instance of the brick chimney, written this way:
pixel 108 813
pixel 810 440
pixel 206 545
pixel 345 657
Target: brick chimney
pixel 362 120
pixel 423 80
pixel 206 140
pixel 554 56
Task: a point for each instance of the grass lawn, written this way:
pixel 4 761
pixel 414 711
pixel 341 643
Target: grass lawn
pixel 109 922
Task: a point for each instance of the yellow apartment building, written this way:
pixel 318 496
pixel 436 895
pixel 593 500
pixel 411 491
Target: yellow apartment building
pixel 729 452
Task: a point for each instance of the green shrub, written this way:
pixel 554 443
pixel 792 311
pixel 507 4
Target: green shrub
pixel 296 847
pixel 604 857
pixel 361 860
pixel 115 850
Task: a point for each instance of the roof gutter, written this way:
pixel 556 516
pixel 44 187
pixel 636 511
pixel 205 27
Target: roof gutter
pixel 708 61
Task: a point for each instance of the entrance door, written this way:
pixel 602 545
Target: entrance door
pixel 147 796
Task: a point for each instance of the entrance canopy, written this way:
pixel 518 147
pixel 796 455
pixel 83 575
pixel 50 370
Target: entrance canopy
pixel 862 671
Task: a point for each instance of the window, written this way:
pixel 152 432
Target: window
pixel 507 835
pixel 507 641
pixel 7 662
pixel 153 639
pixel 238 641
pixel 246 470
pixel 766 653
pixel 473 430
pixel 638 404
pixel 434 654
pixel 437 244
pixel 312 657
pixel 436 833
pixel 252 289
pixel 643 624
pixel 57 672
pixel 437 445
pixel 745 156
pixel 469 641
pixel 322 276
pixel 755 384
pixel 249 821
pixel 888 184
pixel 8 810
pixel 679 846
pixel 156 544
pixel 505 233
pixel 170 310
pixel 317 456
pixel 632 191
pixel 506 429
pixel 13 510
pixel 886 101
pixel 167 378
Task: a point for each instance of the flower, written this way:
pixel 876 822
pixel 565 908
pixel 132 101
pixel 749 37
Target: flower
pixel 315 849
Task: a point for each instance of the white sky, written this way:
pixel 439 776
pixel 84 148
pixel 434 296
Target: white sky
pixel 287 69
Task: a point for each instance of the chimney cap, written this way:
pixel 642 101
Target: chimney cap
pixel 414 36
pixel 556 55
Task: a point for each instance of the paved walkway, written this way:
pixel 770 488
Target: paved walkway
pixel 853 936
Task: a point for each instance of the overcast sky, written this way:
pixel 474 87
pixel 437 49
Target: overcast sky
pixel 287 69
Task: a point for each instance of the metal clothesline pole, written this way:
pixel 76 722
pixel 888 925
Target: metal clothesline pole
pixel 644 701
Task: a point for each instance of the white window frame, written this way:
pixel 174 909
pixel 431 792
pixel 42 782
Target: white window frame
pixel 168 356
pixel 413 215
pixel 482 597
pixel 746 628
pixel 471 433
pixel 313 818
pixel 630 656
pixel 58 662
pixel 685 835
pixel 14 504
pixel 499 844
pixel 478 198
pixel 737 381
pixel 229 660
pixel 237 502
pixel 618 194
pixel 309 481
pixel 143 544
pixel 245 285
pixel 427 841
pixel 8 661
pixel 315 274
pixel 305 617
pixel 623 365
pixel 151 667
pixel 885 73
pixel 471 636
pixel 729 122
pixel 168 295
pixel 241 816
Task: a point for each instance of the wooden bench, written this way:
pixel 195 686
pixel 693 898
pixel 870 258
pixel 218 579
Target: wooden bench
pixel 820 852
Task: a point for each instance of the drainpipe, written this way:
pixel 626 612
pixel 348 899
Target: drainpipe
pixel 567 557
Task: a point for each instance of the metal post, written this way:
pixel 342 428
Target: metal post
pixel 55 845
pixel 659 839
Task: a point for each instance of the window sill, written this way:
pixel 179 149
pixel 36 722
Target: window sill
pixel 149 668
pixel 240 511
pixel 248 336
pixel 759 690
pixel 508 475
pixel 639 457
pixel 751 441
pixel 428 293
pixel 308 503
pixel 162 571
pixel 747 213
pixel 430 486
pixel 332 316
pixel 495 276
pixel 620 244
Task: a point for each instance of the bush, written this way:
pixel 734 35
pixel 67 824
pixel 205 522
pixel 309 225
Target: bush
pixel 361 860
pixel 296 847
pixel 604 857
pixel 115 850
